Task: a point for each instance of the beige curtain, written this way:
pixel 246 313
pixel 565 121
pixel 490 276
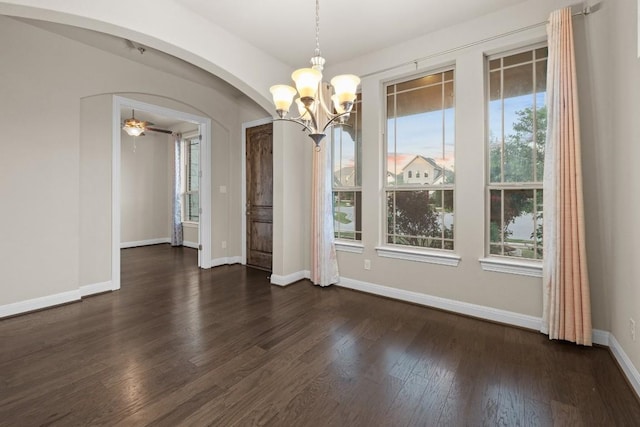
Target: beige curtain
pixel 566 303
pixel 324 263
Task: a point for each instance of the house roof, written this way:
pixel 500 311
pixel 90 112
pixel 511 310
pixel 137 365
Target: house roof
pixel 404 160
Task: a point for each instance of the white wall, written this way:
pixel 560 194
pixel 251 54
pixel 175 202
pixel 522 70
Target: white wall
pixel 291 202
pixel 95 187
pixel 623 73
pixel 467 282
pixel 65 203
pixel 146 182
pixel 609 87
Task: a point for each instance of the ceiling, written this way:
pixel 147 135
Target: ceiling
pixel 285 29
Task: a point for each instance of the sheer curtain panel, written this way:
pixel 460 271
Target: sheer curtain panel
pixel 324 263
pixel 566 302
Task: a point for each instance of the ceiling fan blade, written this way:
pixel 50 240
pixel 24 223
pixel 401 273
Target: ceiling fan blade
pixel 159 130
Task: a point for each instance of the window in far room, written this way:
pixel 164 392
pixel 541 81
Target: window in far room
pixel 347 176
pixel 517 122
pixel 191 170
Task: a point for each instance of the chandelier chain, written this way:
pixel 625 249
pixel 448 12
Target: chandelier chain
pixel 317 51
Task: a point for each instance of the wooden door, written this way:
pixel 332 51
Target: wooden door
pixel 259 166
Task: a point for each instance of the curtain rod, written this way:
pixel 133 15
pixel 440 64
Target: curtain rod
pixel 586 10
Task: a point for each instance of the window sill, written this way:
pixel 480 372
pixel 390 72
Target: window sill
pixel 520 267
pixel 189 224
pixel 356 248
pixel 431 257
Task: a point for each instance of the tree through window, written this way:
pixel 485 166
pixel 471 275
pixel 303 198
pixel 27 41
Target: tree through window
pixel 420 137
pixel 517 133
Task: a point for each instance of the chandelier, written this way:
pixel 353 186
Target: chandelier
pixel 310 102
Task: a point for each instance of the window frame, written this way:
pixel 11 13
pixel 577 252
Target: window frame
pixel 342 243
pixel 185 192
pixel 500 262
pixel 408 252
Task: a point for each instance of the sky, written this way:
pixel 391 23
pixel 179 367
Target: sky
pixel 422 134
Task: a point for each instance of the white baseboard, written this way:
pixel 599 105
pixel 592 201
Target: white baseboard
pixel 53 300
pixel 474 310
pixel 630 371
pixel 289 278
pixel 39 303
pixel 226 261
pixel 192 245
pixel 600 337
pixel 125 245
pixel 95 288
pixel 480 311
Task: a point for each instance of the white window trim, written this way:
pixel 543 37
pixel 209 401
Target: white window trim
pixel 410 254
pixel 504 264
pixel 433 256
pixel 185 168
pixel 512 266
pixel 190 224
pixel 348 246
pixel 342 244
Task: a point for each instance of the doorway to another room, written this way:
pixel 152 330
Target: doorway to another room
pixel 161 180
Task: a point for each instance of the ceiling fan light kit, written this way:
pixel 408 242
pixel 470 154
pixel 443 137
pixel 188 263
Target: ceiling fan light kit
pixel 133 126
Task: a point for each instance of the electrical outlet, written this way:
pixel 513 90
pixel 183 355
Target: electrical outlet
pixel 367 264
pixel 224 244
pixel 632 328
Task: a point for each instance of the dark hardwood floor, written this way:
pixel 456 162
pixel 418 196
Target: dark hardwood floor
pixel 182 346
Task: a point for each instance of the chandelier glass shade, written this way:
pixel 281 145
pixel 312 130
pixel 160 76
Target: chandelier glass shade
pixel 310 101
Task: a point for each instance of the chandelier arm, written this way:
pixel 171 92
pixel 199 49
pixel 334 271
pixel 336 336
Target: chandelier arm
pixel 331 122
pixel 294 121
pixel 313 119
pixel 322 102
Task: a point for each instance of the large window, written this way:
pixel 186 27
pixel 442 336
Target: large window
pixel 517 131
pixel 347 176
pixel 191 162
pixel 420 161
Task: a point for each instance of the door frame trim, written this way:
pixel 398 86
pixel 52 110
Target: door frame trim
pixel 243 181
pixel 205 238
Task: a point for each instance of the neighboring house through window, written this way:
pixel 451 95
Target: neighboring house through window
pixel 347 176
pixel 517 120
pixel 420 137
